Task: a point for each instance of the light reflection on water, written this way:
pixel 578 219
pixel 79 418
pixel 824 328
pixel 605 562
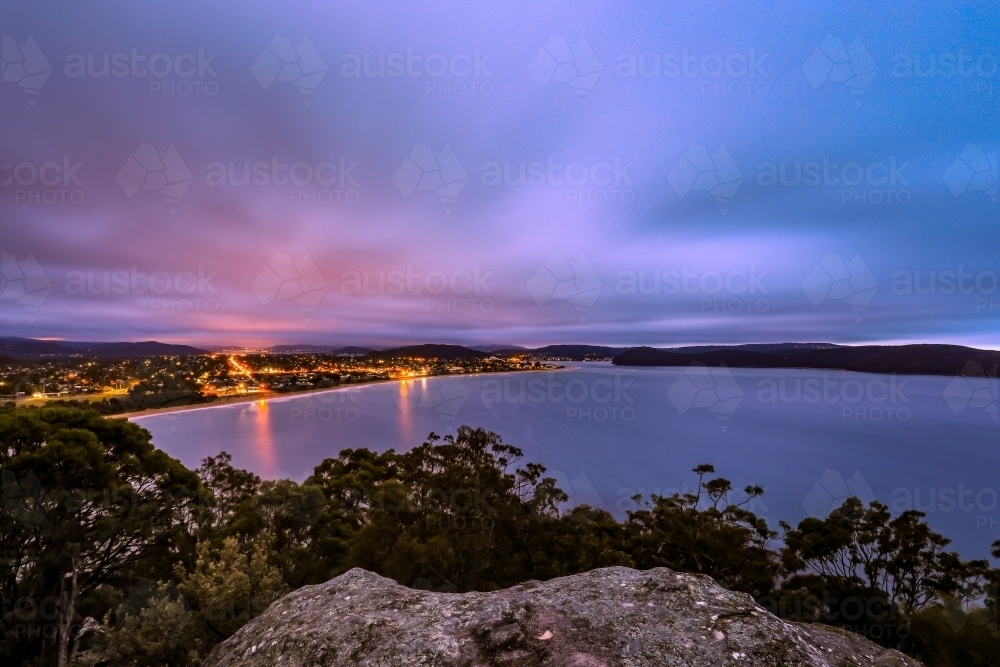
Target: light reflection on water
pixel 258 415
pixel 632 430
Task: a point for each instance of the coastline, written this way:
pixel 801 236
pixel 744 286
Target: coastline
pixel 236 400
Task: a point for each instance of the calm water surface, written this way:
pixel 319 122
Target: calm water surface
pixel 810 438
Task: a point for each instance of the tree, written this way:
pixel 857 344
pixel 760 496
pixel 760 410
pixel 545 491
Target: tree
pixel 457 515
pixel 888 569
pixel 901 556
pixel 707 533
pixel 309 533
pixel 109 505
pixel 180 625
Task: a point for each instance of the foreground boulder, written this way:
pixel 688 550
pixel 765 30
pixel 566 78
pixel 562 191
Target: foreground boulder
pixel 605 618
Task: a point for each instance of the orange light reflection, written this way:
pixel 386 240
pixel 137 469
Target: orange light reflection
pixel 264 438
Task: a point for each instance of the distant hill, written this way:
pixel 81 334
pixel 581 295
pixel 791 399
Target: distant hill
pixel 577 351
pixel 318 349
pixel 498 348
pixel 756 347
pixel 22 348
pixel 353 351
pixel 902 359
pixel 293 349
pixel 429 351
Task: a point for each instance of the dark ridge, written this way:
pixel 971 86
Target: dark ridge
pixel 902 359
pixel 428 351
pixel 498 348
pixel 319 349
pixel 304 349
pixel 30 348
pixel 577 351
pixel 353 351
pixel 757 347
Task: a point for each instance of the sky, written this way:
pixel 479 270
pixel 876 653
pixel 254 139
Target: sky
pixel 523 173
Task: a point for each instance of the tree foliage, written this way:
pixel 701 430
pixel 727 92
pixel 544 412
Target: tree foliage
pixel 87 502
pixel 114 554
pixel 707 533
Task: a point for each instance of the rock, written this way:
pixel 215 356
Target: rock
pixel 612 617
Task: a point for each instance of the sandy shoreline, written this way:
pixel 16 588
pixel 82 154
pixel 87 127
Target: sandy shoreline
pixel 236 400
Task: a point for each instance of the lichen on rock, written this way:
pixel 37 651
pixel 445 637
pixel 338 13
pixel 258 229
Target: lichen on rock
pixel 611 617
